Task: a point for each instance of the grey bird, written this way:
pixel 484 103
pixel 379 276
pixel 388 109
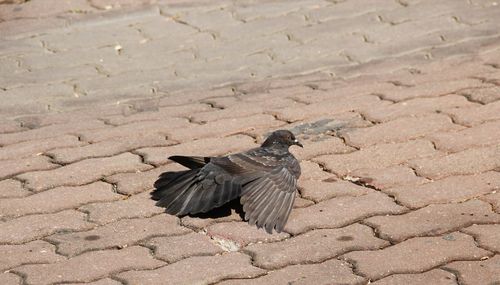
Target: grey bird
pixel 264 178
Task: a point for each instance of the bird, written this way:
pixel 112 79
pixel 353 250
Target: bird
pixel 263 178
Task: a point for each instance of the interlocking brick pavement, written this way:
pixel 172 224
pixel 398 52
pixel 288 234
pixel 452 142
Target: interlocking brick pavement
pixel 397 104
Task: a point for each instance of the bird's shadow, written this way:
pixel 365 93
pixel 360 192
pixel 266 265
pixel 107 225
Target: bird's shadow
pixel 222 211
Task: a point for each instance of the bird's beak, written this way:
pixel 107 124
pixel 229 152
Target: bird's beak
pixel 296 142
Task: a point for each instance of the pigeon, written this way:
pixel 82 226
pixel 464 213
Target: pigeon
pixel 263 178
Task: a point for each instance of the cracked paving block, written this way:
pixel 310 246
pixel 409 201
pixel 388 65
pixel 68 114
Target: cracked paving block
pixel 415 255
pixel 484 95
pixel 204 147
pixel 314 246
pixel 321 273
pixel 487 236
pixel 16 166
pixel 57 199
pixel 329 188
pixel 415 107
pixel 470 161
pixel 476 115
pixel 33 252
pixel 241 234
pixel 434 277
pixel 385 178
pixel 120 234
pixel 36 147
pixel 433 220
pixel 407 128
pixel 107 148
pixel 341 211
pixel 376 156
pixel 196 271
pixel 10 279
pixel 174 248
pixel 136 206
pixel 450 189
pixel 10 188
pixel 90 266
pixel 478 136
pixel 83 172
pixel 476 272
pixel 32 227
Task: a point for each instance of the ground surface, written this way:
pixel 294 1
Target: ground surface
pixel 398 106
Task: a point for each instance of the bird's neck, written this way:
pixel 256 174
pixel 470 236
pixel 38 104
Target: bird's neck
pixel 276 148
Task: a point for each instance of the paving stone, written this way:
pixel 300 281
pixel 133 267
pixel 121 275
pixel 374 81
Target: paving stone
pixel 470 161
pixel 433 220
pixel 408 128
pixel 136 206
pixel 135 129
pixel 195 271
pixel 15 166
pixel 415 107
pixel 302 203
pixel 475 116
pixel 204 147
pixel 312 171
pixel 107 148
pixel 241 233
pixel 329 145
pixel 450 189
pixel 90 266
pixel 88 170
pixel 487 236
pixel 10 279
pixel 120 234
pixel 12 189
pixel 33 252
pixel 478 136
pixel 202 222
pixel 57 199
pixel 193 96
pixel 31 148
pixel 415 255
pixel 376 156
pixel 493 199
pixel 322 273
pixel 477 272
pixel 33 227
pixel 385 178
pixel 105 281
pixel 323 190
pixel 174 248
pixel 8 126
pixel 314 246
pixel 243 109
pixel 340 211
pixel 435 276
pixel 484 95
pixel 51 131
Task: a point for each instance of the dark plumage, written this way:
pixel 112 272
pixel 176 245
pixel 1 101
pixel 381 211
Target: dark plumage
pixel 265 179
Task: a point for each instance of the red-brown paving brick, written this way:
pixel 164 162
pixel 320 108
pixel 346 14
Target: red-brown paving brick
pixel 470 161
pixel 107 148
pixel 88 170
pixel 90 266
pixel 175 248
pixel 433 220
pixel 434 277
pixel 57 199
pixel 136 206
pixel 477 272
pixel 120 234
pixel 476 115
pixel 328 145
pixel 407 128
pixel 493 199
pixel 243 109
pixel 201 223
pixel 478 136
pixel 241 233
pixel 105 281
pixel 341 211
pixel 487 236
pixel 10 279
pixel 415 255
pixel 376 156
pixel 311 170
pixel 10 188
pixel 16 166
pixel 182 98
pixel 8 126
pixel 201 147
pixel 301 202
pixel 323 273
pixel 450 189
pixel 484 95
pixel 195 271
pixel 384 178
pixel 33 227
pixel 30 148
pixel 314 246
pixel 33 252
pixel 415 107
pixel 323 190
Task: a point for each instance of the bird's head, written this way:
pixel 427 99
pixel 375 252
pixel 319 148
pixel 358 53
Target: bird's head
pixel 281 138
